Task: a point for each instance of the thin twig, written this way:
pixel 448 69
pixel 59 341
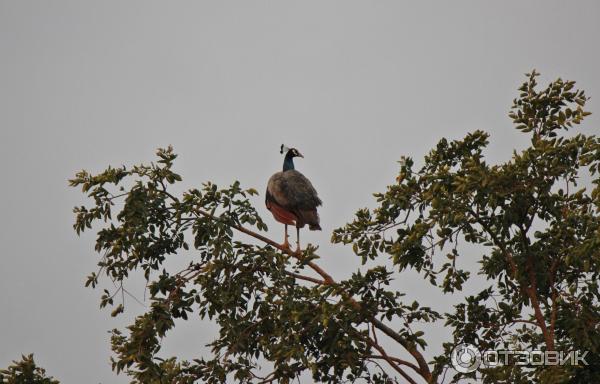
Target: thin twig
pixel 307 278
pixel 392 363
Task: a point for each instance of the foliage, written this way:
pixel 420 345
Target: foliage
pixel 539 236
pixel 25 372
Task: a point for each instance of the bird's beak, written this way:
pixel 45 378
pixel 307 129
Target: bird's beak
pixel 300 155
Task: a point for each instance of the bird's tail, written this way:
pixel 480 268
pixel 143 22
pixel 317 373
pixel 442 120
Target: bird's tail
pixel 310 217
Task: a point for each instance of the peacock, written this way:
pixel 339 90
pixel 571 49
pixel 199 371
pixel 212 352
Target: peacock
pixel 291 197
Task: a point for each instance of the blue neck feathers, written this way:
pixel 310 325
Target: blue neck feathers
pixel 288 163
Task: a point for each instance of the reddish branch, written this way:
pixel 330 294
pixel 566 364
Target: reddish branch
pixel 553 270
pixel 390 361
pixel 328 280
pixel 531 288
pixel 423 368
pixel 375 344
pixel 531 291
pixel 306 278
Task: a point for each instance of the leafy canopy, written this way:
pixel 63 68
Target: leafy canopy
pixel 536 232
pixel 25 371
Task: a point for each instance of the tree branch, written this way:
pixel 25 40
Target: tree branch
pixel 531 291
pixel 391 361
pixel 423 367
pixel 424 370
pixel 328 279
pixel 553 269
pixel 306 278
pixel 380 349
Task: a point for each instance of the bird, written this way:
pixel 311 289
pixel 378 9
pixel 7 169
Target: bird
pixel 291 198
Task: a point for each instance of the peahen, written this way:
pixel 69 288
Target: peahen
pixel 291 197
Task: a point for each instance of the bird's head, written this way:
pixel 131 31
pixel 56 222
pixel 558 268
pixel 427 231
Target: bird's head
pixel 291 152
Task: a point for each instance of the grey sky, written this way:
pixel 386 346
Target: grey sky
pixel 352 84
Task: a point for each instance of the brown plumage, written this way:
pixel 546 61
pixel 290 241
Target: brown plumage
pixel 292 199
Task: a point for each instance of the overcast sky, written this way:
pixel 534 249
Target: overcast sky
pixel 353 85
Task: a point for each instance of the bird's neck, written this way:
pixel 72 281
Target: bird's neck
pixel 288 163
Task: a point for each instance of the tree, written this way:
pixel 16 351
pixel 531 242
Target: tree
pixel 25 371
pixel 537 231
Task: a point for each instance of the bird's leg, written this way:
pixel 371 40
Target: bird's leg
pixel 298 239
pixel 285 244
